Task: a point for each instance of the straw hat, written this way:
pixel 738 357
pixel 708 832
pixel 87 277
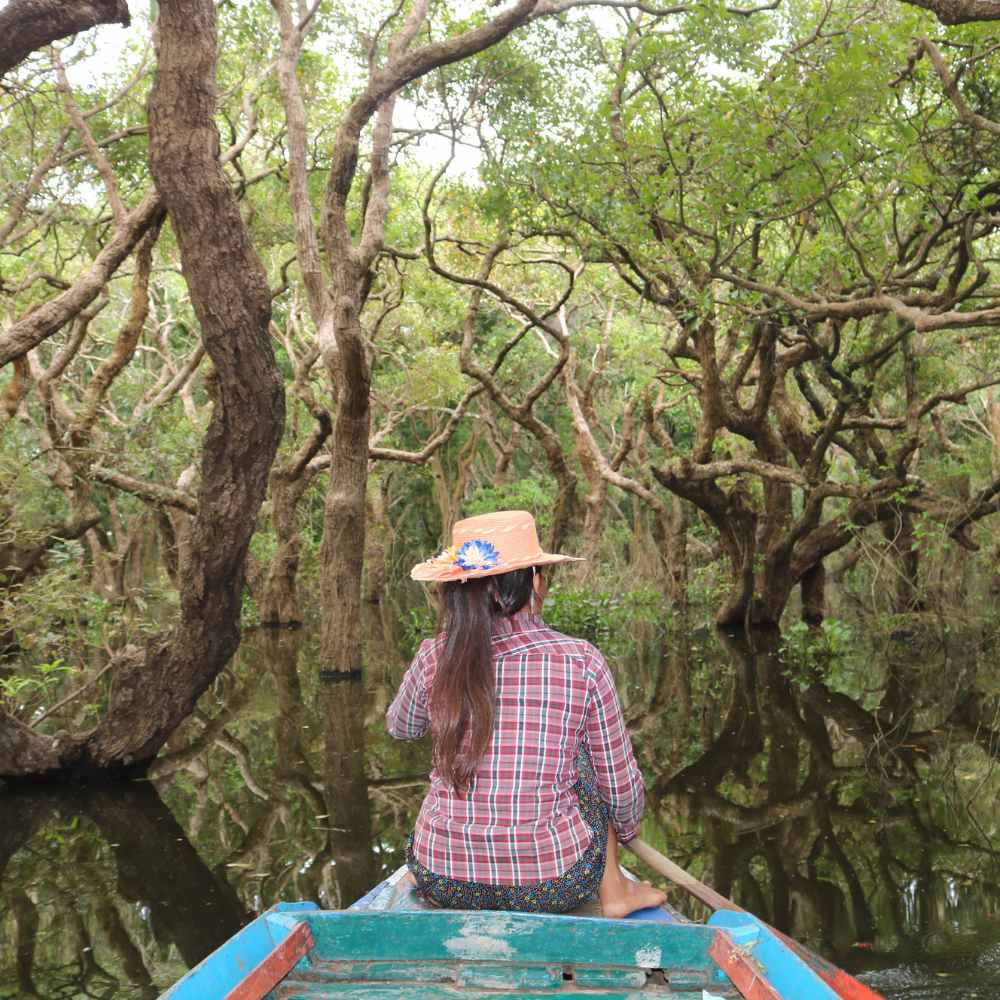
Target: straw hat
pixel 487 545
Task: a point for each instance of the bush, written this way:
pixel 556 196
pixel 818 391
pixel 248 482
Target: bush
pixel 601 617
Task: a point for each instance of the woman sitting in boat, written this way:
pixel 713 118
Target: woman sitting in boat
pixel 534 783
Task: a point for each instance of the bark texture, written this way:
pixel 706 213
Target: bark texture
pixel 27 25
pixel 960 11
pixel 153 692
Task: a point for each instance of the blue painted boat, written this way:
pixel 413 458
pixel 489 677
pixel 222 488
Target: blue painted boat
pixel 391 945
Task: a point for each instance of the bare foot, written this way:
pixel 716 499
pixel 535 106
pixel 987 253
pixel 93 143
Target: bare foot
pixel 620 897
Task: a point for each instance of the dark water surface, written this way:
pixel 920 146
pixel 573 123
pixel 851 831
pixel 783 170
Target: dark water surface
pixel 852 803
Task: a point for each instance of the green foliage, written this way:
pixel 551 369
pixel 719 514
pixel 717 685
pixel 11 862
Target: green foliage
pixel 21 691
pixel 522 494
pixel 606 619
pixel 813 648
pixel 649 159
pixel 418 623
pixel 429 378
pixel 675 167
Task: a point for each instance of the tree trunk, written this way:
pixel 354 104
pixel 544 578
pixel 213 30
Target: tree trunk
pixel 341 337
pixel 279 600
pixel 670 532
pixel 899 536
pixel 738 535
pixel 813 588
pixel 444 496
pixel 379 542
pixel 678 569
pixel 343 550
pixel 565 505
pixel 156 690
pixel 595 500
pixel 279 595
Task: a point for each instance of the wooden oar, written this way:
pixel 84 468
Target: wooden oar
pixel 843 984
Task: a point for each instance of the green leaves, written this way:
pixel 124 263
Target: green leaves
pixel 809 648
pixel 609 620
pixel 21 691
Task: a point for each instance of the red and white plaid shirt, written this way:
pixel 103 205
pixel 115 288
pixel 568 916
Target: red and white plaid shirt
pixel 519 820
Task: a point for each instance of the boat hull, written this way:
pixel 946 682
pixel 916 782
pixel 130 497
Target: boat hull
pixel 389 945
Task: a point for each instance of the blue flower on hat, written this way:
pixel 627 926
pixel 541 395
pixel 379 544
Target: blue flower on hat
pixel 477 554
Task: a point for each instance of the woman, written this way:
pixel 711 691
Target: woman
pixel 534 781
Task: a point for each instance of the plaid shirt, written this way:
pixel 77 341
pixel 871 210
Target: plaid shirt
pixel 519 821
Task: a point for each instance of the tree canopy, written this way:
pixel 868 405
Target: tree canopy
pixel 712 289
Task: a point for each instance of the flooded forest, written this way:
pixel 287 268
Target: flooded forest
pixel 287 287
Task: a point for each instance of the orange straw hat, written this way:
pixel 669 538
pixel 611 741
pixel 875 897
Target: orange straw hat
pixel 486 546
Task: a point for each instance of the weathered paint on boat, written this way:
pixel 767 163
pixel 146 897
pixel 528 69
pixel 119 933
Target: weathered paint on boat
pixel 244 961
pixel 845 986
pixel 785 974
pixel 387 946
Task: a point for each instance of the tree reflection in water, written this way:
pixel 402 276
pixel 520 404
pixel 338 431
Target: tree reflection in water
pixel 101 885
pixel 865 825
pixel 343 705
pixel 854 806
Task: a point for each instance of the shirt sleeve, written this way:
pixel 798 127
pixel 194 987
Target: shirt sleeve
pixel 408 717
pixel 619 780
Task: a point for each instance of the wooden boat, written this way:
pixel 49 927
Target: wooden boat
pixel 390 944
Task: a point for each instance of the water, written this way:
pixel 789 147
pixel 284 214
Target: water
pixel 853 804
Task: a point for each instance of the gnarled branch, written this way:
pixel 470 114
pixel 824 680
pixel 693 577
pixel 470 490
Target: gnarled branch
pixel 28 25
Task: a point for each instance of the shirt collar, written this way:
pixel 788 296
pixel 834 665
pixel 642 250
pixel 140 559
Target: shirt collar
pixel 519 622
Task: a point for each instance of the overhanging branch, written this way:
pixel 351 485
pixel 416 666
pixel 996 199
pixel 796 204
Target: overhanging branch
pixel 28 25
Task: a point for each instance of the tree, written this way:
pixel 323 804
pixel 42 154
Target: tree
pixel 716 308
pixel 157 687
pixel 350 258
pixel 719 195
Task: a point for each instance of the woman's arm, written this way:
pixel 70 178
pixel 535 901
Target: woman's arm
pixel 618 777
pixel 408 716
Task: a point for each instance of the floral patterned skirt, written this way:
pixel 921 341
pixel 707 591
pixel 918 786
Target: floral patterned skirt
pixel 555 895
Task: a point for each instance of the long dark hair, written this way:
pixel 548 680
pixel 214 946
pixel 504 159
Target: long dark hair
pixel 464 686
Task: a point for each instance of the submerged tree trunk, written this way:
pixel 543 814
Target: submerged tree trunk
pixel 343 550
pixel 158 687
pixel 351 260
